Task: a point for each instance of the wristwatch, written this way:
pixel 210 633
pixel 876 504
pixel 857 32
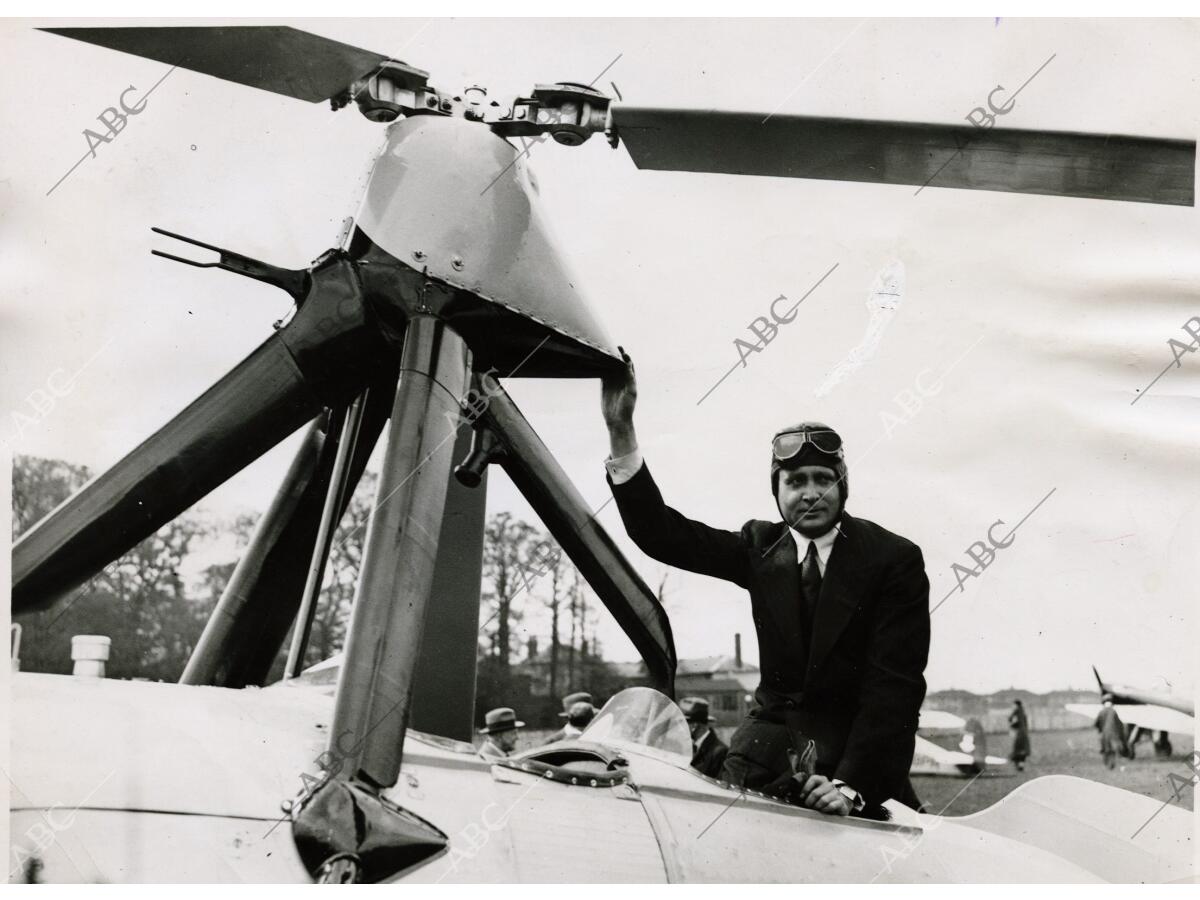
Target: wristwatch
pixel 855 798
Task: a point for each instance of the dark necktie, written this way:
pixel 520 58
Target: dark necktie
pixel 810 584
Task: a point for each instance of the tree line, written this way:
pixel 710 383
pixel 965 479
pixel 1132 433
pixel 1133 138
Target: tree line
pixel 155 614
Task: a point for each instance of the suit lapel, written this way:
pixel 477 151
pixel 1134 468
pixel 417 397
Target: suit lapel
pixel 781 587
pixel 838 598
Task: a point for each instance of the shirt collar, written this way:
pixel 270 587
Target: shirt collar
pixel 824 544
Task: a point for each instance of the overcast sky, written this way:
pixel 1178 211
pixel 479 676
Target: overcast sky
pixel 1039 317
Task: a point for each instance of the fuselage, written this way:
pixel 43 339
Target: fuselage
pixel 138 781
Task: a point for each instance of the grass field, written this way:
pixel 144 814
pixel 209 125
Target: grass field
pixel 1054 753
pixel 1058 753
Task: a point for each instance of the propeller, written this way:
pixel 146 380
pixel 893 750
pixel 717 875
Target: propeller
pixel 1068 164
pixel 271 57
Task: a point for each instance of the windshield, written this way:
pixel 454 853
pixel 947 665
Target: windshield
pixel 642 717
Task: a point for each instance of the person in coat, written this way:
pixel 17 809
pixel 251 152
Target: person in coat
pixel 1018 723
pixel 500 725
pixel 579 712
pixel 709 751
pixel 840 607
pixel 1112 734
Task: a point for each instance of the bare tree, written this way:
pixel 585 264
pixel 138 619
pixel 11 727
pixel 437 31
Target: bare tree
pixel 509 546
pixel 557 566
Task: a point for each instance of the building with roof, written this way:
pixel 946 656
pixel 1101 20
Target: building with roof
pixel 726 682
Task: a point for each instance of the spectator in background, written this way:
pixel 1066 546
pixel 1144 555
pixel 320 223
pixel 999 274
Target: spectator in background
pixel 583 716
pixel 1019 723
pixel 500 725
pixel 709 751
pixel 579 716
pixel 1112 733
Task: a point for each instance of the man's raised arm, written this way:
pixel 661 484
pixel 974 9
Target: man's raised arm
pixel 659 531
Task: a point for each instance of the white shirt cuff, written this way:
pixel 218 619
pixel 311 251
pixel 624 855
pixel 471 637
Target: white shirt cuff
pixel 856 802
pixel 622 468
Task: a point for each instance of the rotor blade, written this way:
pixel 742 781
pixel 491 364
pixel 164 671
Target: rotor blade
pixel 1106 167
pixel 272 57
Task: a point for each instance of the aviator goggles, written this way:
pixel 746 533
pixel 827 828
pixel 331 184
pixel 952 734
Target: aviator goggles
pixel 787 447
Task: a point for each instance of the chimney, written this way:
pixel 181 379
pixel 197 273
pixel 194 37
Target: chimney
pixel 737 651
pixel 89 652
pixel 532 647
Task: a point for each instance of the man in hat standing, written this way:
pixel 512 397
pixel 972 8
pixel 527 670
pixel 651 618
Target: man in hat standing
pixel 500 726
pixel 584 712
pixel 1112 733
pixel 840 605
pixel 709 751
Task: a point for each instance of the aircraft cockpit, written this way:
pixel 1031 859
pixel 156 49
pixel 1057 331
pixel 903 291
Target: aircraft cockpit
pixel 638 721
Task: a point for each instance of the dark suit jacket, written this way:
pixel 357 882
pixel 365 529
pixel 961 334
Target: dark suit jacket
pixel 710 755
pixel 859 693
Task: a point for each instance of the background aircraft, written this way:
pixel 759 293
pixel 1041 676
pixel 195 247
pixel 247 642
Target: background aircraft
pixel 1144 709
pixel 970 758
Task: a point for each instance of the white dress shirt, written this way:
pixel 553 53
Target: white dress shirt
pixel 824 546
